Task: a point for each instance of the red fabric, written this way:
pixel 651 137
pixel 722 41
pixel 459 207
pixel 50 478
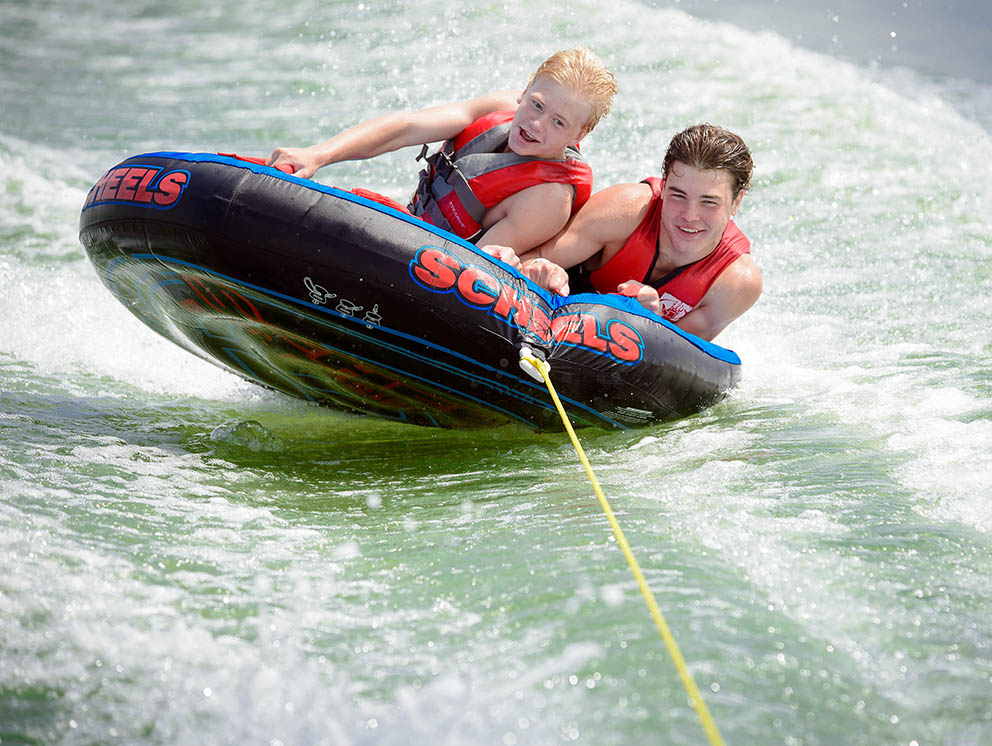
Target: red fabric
pixel 459 221
pixel 493 187
pixel 479 126
pixel 382 199
pixel 285 168
pixel 637 256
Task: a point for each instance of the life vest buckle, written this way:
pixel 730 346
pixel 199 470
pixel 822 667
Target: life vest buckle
pixel 442 164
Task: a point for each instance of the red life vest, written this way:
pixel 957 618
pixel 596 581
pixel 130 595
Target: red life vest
pixel 474 172
pixel 682 289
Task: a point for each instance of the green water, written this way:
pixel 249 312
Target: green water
pixel 187 558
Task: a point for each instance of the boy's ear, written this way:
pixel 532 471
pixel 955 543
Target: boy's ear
pixel 736 204
pixel 585 131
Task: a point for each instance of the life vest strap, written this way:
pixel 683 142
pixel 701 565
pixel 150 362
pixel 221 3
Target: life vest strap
pixel 433 191
pixel 474 171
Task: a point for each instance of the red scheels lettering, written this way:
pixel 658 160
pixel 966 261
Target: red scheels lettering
pixel 442 272
pixel 139 185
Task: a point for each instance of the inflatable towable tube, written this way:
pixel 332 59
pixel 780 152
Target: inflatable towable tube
pixel 340 300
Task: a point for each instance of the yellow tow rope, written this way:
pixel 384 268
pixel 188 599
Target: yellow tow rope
pixel 530 363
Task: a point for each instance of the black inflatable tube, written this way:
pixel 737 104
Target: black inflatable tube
pixel 343 301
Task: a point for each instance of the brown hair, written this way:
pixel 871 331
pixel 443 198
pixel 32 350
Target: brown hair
pixel 581 71
pixel 707 147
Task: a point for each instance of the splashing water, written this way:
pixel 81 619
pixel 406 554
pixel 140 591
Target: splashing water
pixel 187 557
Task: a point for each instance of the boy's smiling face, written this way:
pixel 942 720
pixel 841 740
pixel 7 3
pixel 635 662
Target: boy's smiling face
pixel 696 207
pixel 549 117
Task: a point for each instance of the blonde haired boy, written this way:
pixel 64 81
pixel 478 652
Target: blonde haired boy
pixel 563 101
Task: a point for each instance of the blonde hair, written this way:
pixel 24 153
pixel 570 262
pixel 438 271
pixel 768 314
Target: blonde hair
pixel 581 71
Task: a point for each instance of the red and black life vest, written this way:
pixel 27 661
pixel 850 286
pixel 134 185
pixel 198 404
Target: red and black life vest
pixel 681 290
pixel 471 174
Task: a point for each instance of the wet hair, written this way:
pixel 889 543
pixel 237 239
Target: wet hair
pixel 581 71
pixel 708 148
